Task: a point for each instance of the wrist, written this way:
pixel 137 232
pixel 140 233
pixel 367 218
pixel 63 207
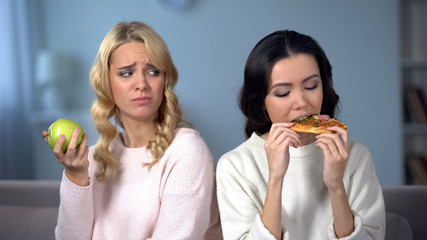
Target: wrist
pixel 80 179
pixel 275 183
pixel 336 188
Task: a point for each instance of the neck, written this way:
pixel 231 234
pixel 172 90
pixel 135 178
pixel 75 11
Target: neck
pixel 139 133
pixel 307 138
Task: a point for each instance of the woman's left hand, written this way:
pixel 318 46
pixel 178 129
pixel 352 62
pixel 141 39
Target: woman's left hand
pixel 335 149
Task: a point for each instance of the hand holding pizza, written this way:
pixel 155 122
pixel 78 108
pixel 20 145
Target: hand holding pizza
pixel 335 150
pixel 277 148
pixel 332 138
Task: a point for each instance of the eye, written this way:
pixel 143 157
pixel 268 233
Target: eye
pixel 312 88
pixel 125 74
pixel 154 72
pixel 281 95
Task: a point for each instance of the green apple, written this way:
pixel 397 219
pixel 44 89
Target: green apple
pixel 66 127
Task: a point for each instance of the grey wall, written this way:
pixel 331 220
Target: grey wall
pixel 210 42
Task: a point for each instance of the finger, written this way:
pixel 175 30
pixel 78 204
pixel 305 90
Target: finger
pixel 83 154
pixel 276 126
pixel 340 139
pixel 73 142
pixel 57 149
pixel 46 136
pixel 83 146
pixel 280 134
pixel 329 142
pixel 283 124
pixel 286 139
pixel 282 128
pixel 343 133
pixel 335 148
pixel 290 141
pixel 325 149
pixel 86 153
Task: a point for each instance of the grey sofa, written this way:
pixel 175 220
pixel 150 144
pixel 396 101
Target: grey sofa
pixel 29 210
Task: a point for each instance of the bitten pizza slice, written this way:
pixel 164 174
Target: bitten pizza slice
pixel 316 124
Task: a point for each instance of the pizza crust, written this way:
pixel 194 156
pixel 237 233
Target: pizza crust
pixel 306 127
pixel 310 129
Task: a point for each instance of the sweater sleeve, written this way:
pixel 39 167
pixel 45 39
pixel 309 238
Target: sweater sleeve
pixel 240 215
pixel 188 204
pixel 365 197
pixel 75 216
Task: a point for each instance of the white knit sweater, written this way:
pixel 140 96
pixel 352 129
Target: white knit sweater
pixel 242 176
pixel 174 199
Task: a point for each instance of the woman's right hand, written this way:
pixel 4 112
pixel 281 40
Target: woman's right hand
pixel 74 159
pixel 276 147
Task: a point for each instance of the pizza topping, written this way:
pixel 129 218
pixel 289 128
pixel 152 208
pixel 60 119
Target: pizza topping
pixel 323 117
pixel 317 121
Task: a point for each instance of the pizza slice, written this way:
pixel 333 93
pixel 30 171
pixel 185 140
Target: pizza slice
pixel 316 124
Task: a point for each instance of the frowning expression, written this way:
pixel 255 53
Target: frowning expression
pixel 137 85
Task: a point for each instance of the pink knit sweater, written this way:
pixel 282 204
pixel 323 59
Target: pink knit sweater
pixel 174 199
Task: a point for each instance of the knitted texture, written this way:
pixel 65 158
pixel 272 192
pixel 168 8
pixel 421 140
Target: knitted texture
pixel 174 199
pixel 242 176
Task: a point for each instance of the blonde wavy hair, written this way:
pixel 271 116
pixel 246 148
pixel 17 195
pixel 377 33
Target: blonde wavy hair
pixel 104 108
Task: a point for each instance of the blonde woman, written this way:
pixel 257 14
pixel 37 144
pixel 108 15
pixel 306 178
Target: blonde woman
pixel 155 180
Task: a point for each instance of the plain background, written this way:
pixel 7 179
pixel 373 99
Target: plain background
pixel 209 43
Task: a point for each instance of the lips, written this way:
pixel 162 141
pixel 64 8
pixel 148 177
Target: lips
pixel 141 100
pixel 302 116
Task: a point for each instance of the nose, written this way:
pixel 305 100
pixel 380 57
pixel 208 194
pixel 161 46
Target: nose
pixel 300 100
pixel 141 83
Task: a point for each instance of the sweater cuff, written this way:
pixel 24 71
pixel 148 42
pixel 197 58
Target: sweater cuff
pixel 259 231
pixel 72 187
pixel 358 225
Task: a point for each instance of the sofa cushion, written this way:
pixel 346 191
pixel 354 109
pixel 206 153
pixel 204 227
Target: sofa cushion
pixel 35 222
pixel 397 227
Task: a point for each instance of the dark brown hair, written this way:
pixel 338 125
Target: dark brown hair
pixel 272 48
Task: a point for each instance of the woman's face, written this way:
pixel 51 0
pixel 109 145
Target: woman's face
pixel 136 84
pixel 295 89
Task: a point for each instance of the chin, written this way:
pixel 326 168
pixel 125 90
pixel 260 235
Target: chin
pixel 307 137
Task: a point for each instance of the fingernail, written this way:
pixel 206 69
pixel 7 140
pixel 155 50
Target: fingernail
pixel 62 136
pixel 76 130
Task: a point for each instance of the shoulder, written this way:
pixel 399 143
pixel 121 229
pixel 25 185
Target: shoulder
pixel 247 154
pixel 186 134
pixel 188 144
pixel 187 138
pixel 359 157
pixel 358 150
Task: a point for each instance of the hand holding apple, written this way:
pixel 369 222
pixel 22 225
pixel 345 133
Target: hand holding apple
pixel 65 127
pixel 61 134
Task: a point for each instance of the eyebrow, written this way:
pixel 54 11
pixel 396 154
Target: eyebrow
pixel 147 65
pixel 127 66
pixel 286 84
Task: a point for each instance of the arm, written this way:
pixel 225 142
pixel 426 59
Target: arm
pixel 188 209
pixel 365 195
pixel 335 150
pixel 277 150
pixel 239 205
pixel 245 211
pixel 75 215
pixel 358 209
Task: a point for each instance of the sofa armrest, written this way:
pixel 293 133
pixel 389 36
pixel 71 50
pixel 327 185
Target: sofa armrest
pixel 28 209
pixel 34 193
pixel 411 203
